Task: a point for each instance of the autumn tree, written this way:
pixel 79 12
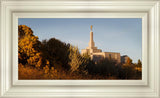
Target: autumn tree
pixel 29 51
pixel 129 61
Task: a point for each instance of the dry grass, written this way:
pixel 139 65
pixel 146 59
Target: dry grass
pixel 31 73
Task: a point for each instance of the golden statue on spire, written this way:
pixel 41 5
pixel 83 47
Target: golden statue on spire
pixel 91 27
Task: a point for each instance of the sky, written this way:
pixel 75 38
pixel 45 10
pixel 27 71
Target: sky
pixel 123 35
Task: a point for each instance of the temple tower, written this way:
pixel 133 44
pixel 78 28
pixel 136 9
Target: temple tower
pixel 91 42
pixel 91 48
pixel 97 54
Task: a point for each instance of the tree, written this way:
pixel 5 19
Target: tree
pixel 29 47
pixel 106 67
pixel 139 64
pixel 129 61
pixel 75 58
pixel 57 52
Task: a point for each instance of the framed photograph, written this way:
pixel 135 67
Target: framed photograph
pixel 55 48
pixel 79 48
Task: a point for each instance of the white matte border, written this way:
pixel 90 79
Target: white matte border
pixel 11 10
pixel 80 15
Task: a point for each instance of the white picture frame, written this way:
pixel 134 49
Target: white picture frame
pixel 148 10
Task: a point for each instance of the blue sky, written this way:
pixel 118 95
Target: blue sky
pixel 122 35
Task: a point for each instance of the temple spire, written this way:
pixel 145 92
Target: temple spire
pixel 91 42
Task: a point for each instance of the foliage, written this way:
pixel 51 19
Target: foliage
pixel 129 61
pixel 56 52
pixel 105 67
pixel 139 64
pixel 76 60
pixel 28 47
pixel 128 71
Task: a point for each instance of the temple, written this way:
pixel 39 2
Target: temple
pixel 97 54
